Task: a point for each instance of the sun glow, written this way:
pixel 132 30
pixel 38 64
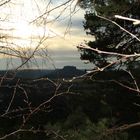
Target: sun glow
pixel 23 30
pixel 18 24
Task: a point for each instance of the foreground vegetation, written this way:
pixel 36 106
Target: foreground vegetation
pixel 99 108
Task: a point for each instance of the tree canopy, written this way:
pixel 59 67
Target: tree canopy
pixel 115 38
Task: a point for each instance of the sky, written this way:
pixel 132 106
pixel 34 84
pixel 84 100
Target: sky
pixel 61 28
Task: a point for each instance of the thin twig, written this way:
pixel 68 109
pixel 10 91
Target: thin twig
pixel 123 29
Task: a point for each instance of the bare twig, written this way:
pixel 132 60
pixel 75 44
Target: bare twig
pixel 122 128
pixel 123 29
pixel 84 46
pixel 5 2
pixel 13 96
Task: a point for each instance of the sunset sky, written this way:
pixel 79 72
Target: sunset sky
pixel 63 30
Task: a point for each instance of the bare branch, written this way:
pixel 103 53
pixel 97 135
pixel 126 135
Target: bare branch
pixel 5 2
pixel 123 29
pixel 135 21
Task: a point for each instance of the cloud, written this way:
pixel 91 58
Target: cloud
pixel 62 47
pixel 71 29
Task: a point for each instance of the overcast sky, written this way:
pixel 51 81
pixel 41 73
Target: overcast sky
pixel 67 30
pixel 63 49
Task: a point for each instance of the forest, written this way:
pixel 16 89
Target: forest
pixel 101 103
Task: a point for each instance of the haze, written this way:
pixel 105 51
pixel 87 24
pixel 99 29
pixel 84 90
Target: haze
pixel 62 31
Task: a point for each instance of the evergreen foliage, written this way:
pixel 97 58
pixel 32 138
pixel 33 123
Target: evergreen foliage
pixel 108 36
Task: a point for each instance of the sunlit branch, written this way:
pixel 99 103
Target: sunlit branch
pixel 123 29
pixel 84 46
pixel 135 21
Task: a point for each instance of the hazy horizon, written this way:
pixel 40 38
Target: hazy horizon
pixel 62 34
pixel 56 59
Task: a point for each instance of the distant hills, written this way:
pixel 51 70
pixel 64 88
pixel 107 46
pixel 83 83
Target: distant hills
pixel 66 72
